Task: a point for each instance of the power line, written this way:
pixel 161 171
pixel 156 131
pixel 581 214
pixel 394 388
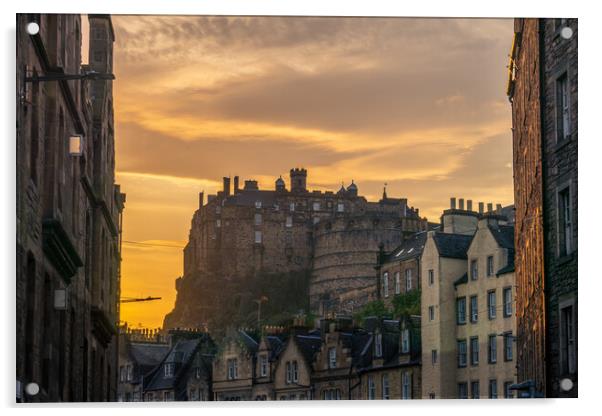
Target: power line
pixel 151 244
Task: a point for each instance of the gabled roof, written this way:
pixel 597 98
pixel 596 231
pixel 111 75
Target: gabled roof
pixel 148 354
pixel 452 246
pixel 410 248
pixel 309 345
pixel 248 341
pixel 180 355
pixel 461 280
pixel 276 346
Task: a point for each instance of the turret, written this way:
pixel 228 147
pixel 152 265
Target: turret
pixel 280 185
pixel 298 180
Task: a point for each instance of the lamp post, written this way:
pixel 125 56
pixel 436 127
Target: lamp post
pixel 259 302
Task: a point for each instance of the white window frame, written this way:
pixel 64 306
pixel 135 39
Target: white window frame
pixel 462 353
pixel 508 346
pixel 258 204
pixel 371 388
pixel 386 392
pixel 340 207
pixel 565 188
pixel 315 206
pixel 493 392
pixel 386 284
pixel 492 304
pixel 291 207
pixel 332 357
pixel 263 365
pixel 406 386
pixel 490 266
pixel 405 340
pixel 295 369
pixel 562 105
pixel 431 313
pixel 474 352
pixel 507 302
pixel 492 349
pixel 258 218
pixel 289 221
pixel 461 311
pixel 408 278
pixel 570 355
pixel 378 345
pixel 168 370
pixel 474 311
pixel 474 269
pixel 397 284
pixel 258 237
pixel 431 277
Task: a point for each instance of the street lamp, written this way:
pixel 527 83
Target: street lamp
pixel 259 301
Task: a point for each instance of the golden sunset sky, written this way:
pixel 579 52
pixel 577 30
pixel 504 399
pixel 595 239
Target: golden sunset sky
pixel 417 103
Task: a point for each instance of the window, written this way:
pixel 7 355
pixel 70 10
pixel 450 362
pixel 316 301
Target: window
pixel 408 280
pixel 397 284
pixel 490 266
pixel 508 346
pixel 474 350
pixel 292 206
pixel 405 341
pixel 98 56
pixel 475 390
pixel 434 356
pixel 508 394
pixel 122 374
pixel 493 389
pixel 289 221
pixel 218 223
pixel 386 284
pixel 492 349
pixel 461 311
pixel 332 357
pixel 218 209
pixel 331 394
pixel 168 370
pixel 316 206
pixel 193 394
pixel 340 207
pixel 148 397
pixel 258 204
pixel 568 353
pixel 197 373
pixel 431 313
pixel 491 308
pixel 385 387
pixel 263 365
pixel 258 237
pixel 295 370
pixel 474 309
pixel 462 353
pixel 431 277
pixel 406 386
pixel 432 396
pixel 371 388
pixel 507 302
pixel 474 270
pixel 289 372
pixel 232 364
pixel 168 396
pixel 130 372
pixel 563 121
pixel 565 227
pixel 378 345
pixel 462 391
pixel 258 219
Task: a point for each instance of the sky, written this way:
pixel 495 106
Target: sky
pixel 418 104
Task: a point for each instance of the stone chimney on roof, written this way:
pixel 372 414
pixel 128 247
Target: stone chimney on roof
pixel 469 205
pixel 461 203
pixel 236 185
pixel 481 207
pixel 226 186
pixel 452 203
pixel 489 207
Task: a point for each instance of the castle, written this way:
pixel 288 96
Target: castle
pixel 330 239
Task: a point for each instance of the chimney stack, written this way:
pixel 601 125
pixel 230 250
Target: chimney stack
pixel 235 185
pixel 226 186
pixel 469 205
pixel 452 203
pixel 201 199
pixel 461 203
pixel 489 207
pixel 498 208
pixel 481 207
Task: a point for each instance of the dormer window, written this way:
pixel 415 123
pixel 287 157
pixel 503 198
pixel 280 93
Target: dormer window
pixel 169 370
pixel 332 358
pixel 232 365
pixel 263 365
pixel 378 345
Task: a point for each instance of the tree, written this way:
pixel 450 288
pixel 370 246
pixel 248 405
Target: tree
pixel 406 304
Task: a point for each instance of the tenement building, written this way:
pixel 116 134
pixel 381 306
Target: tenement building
pixel 468 323
pixel 68 212
pixel 543 91
pixel 327 242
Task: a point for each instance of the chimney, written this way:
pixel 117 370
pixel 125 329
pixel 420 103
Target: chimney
pixel 481 207
pixel 469 205
pixel 498 208
pixel 452 203
pixel 201 199
pixel 489 207
pixel 235 185
pixel 461 203
pixel 226 186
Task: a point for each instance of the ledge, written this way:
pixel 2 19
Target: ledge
pixel 58 248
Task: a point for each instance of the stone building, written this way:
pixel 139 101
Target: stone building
pixel 400 269
pixel 140 351
pixel 184 373
pixel 326 241
pixel 467 306
pixel 388 365
pixel 542 88
pixel 68 212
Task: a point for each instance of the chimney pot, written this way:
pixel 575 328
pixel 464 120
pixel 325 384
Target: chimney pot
pixel 469 205
pixel 461 203
pixel 452 203
pixel 481 207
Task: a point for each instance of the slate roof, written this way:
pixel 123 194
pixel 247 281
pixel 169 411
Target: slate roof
pixel 410 248
pixel 309 345
pixel 504 235
pixel 452 246
pixel 276 346
pixel 148 355
pixel 248 340
pixel 461 280
pixel 180 355
pixel 249 197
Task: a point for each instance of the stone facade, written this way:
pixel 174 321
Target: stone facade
pixel 327 240
pixel 68 213
pixel 543 91
pixel 465 275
